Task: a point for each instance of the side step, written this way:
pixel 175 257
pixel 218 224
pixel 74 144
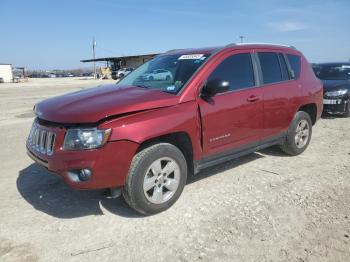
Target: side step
pixel 221 158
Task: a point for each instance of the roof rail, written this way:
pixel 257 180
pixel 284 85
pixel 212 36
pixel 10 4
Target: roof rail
pixel 270 44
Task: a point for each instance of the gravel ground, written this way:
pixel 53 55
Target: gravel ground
pixel 262 207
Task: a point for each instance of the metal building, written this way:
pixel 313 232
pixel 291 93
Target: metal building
pixel 115 63
pixel 6 73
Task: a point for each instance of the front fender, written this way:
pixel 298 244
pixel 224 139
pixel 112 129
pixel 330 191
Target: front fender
pixel 143 126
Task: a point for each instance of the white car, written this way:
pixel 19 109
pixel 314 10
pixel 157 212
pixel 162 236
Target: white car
pixel 124 71
pixel 159 74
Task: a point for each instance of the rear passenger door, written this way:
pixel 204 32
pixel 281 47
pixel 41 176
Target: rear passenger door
pixel 279 93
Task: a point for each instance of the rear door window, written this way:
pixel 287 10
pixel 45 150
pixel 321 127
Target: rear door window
pixel 295 64
pixel 237 70
pixel 284 67
pixel 270 67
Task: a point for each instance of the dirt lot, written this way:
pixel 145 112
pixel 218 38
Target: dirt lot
pixel 262 207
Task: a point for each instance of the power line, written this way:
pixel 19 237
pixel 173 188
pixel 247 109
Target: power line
pixel 106 50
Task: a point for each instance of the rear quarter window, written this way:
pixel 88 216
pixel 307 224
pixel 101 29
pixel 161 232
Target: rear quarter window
pixel 295 64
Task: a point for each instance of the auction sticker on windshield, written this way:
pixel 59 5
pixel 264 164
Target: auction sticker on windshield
pixel 193 56
pixel 170 88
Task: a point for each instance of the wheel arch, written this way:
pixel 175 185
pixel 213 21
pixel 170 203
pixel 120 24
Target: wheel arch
pixel 181 140
pixel 310 109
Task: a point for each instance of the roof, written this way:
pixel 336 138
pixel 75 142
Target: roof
pixel 210 50
pixel 263 44
pixel 116 58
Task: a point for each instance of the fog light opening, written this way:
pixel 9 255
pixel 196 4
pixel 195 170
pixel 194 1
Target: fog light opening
pixel 85 174
pixel 79 175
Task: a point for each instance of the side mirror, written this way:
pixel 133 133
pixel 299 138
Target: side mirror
pixel 215 86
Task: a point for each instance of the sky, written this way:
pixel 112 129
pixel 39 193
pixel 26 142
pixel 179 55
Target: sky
pixel 45 34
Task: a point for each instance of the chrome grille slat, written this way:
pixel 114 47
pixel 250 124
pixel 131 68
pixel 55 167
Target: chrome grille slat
pixel 36 138
pixel 41 140
pixel 48 142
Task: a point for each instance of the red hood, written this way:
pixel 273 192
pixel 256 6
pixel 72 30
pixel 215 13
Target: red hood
pixel 93 104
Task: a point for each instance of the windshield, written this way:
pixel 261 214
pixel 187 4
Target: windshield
pixel 168 73
pixel 333 72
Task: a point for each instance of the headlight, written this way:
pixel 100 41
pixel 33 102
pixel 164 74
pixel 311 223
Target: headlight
pixel 85 138
pixel 337 93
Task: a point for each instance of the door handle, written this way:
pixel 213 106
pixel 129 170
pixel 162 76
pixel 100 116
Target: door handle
pixel 252 98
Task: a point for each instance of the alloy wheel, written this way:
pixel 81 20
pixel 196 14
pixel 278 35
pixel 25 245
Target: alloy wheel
pixel 161 180
pixel 302 134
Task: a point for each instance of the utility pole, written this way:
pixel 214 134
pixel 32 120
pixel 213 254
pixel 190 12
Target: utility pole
pixel 93 52
pixel 242 37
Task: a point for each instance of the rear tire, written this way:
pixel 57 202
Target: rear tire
pixel 298 134
pixel 156 178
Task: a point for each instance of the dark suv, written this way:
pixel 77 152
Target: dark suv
pixel 142 136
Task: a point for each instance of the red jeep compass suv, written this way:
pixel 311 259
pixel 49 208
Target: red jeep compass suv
pixel 142 136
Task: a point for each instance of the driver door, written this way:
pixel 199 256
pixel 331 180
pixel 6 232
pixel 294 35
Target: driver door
pixel 232 120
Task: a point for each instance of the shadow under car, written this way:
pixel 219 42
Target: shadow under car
pixel 48 193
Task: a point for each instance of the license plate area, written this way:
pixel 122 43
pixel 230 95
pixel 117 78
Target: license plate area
pixel 332 101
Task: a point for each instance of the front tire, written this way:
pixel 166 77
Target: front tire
pixel 298 135
pixel 156 178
